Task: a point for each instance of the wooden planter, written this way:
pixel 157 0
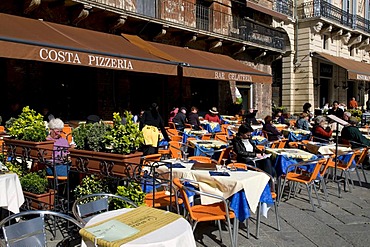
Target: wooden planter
pixel 28 149
pixel 40 201
pixel 109 164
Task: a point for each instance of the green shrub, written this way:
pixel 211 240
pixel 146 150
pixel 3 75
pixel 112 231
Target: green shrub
pixel 91 185
pixel 34 183
pixel 90 136
pixel 132 192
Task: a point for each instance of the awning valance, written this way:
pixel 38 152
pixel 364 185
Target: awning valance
pixel 202 64
pixel 30 39
pixel 356 70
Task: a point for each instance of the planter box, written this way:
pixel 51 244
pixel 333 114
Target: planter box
pixel 109 164
pixel 40 201
pixel 28 149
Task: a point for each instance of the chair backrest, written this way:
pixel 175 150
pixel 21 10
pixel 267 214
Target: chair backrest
pixel 329 163
pixel 67 133
pixel 84 209
pixel 317 169
pixel 362 156
pixel 221 137
pixel 224 129
pixel 225 154
pixel 282 143
pixel 188 126
pixel 238 165
pixel 176 138
pixel 275 144
pixel 292 123
pixel 206 137
pixel 201 159
pixel 171 125
pixel 184 196
pixel 175 149
pixel 32 232
pixel 172 132
pixel 150 158
pixel 356 153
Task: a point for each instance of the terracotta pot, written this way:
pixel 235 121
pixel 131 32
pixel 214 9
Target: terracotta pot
pixel 28 149
pixel 110 164
pixel 40 201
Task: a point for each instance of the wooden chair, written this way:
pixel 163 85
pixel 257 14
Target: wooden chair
pixel 200 159
pixel 201 213
pixel 307 179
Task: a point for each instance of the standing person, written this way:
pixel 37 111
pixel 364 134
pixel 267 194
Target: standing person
pixel 273 133
pixel 246 150
pixel 335 110
pixel 180 119
pixel 150 122
pixel 193 118
pixel 352 103
pixel 212 116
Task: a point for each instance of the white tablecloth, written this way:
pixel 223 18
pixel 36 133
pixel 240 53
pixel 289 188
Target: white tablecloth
pixel 11 194
pixel 177 233
pixel 252 182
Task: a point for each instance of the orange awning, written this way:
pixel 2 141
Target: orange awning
pixel 30 39
pixel 202 64
pixel 356 70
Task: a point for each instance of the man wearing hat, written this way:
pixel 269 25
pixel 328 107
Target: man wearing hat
pixel 212 116
pixel 352 134
pixel 180 119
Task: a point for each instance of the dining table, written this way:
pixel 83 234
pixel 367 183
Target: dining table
pixel 11 192
pixel 294 135
pixel 211 127
pixel 206 147
pixel 280 127
pixel 138 227
pixel 326 148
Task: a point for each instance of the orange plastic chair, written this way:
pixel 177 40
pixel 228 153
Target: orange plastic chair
pixel 275 144
pixel 360 166
pixel 225 154
pixel 150 158
pixel 201 213
pixel 224 128
pixel 293 144
pixel 175 149
pixel 238 165
pixel 222 137
pixel 206 137
pixel 344 167
pixel 171 125
pixel 200 159
pixel 282 143
pixel 304 178
pixel 67 133
pixel 176 138
pixel 172 132
pixel 188 126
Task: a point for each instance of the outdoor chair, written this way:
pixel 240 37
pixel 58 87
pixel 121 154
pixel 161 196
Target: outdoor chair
pixel 222 137
pixel 225 154
pixel 305 178
pixel 86 207
pixel 171 125
pixel 200 159
pixel 201 213
pixel 176 138
pixel 238 166
pixel 30 228
pixel 359 165
pixel 207 136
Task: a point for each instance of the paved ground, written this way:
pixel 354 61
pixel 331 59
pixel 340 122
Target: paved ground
pixel 339 222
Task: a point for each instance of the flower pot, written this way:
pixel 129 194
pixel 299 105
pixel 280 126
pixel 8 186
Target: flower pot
pixel 29 150
pixel 110 164
pixel 40 201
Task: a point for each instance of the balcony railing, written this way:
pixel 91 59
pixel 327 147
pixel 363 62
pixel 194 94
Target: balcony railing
pixel 284 7
pixel 199 17
pixel 321 8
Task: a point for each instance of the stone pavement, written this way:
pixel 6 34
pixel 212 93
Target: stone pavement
pixel 339 222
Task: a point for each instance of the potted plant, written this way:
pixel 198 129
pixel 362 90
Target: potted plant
pixel 28 136
pixel 132 192
pixel 104 149
pixel 36 192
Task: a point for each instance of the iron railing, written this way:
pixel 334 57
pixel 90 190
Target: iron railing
pixel 200 17
pixel 284 7
pixel 321 8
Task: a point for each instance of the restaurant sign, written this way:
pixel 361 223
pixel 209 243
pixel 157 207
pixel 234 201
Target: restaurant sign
pixel 363 77
pixel 232 76
pixel 85 59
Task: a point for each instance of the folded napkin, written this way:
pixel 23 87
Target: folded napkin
pixel 175 165
pixel 219 174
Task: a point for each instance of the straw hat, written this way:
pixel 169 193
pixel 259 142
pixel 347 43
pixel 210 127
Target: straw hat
pixel 213 110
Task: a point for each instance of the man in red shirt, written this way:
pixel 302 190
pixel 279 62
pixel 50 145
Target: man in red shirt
pixel 352 103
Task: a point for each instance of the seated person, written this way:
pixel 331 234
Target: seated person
pixel 60 147
pixel 173 113
pixel 319 132
pixel 273 133
pixel 278 118
pixel 352 134
pixel 180 119
pixel 212 116
pixel 250 117
pixel 246 150
pixel 302 122
pixel 336 110
pixel 193 118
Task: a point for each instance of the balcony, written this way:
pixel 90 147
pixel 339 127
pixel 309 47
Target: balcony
pixel 197 18
pixel 280 6
pixel 323 9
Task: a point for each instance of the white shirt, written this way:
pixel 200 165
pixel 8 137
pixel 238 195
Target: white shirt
pixel 248 146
